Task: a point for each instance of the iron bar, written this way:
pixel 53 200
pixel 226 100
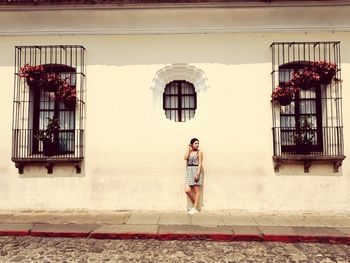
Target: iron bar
pixel 327 119
pixel 32 106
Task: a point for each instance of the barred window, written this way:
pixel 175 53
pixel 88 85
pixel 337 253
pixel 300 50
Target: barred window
pixel 310 127
pixel 179 101
pixel 49 106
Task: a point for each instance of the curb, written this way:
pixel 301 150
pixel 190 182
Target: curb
pixel 195 236
pixel 58 234
pixel 15 233
pixel 123 236
pixel 186 236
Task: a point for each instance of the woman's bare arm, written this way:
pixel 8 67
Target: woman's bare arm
pixel 187 153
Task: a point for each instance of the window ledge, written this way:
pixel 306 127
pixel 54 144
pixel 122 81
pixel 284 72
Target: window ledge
pixel 48 162
pixel 307 160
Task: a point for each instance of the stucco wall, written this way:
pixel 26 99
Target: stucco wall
pixel 134 155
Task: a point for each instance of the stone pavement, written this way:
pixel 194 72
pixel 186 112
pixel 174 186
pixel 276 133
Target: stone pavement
pixel 169 225
pixel 28 249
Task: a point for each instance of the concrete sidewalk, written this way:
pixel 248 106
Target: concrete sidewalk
pixel 165 225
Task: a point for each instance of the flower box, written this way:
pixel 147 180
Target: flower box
pixel 306 79
pixel 325 70
pixel 283 94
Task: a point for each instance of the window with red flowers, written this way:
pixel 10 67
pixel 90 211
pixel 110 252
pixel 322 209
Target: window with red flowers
pixel 49 106
pixel 307 103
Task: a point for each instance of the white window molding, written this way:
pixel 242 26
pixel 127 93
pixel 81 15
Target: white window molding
pixel 180 71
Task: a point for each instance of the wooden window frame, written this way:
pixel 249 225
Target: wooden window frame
pixel 296 66
pixel 179 95
pixel 58 69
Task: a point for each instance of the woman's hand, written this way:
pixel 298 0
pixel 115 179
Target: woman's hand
pixel 196 178
pixel 190 148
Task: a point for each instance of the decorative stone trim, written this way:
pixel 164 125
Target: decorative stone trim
pixel 180 72
pixel 173 72
pixel 308 160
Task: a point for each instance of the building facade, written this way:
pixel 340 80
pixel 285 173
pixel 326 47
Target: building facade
pixel 147 77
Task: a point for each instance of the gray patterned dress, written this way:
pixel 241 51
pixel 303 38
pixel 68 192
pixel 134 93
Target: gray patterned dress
pixel 191 170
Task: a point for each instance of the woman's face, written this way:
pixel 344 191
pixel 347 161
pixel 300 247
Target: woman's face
pixel 195 145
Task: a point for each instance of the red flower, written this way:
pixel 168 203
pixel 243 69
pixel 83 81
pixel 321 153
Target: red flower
pixel 33 74
pixel 30 71
pixel 38 77
pixel 66 92
pixel 326 71
pixel 284 91
pixel 305 79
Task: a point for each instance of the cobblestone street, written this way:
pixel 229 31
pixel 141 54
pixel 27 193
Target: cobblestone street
pixel 37 249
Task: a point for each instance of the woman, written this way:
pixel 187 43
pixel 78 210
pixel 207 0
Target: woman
pixel 193 180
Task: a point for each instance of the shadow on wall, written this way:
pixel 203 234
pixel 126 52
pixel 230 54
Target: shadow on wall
pixel 201 191
pixel 169 49
pixel 155 49
pixel 58 170
pixel 316 169
pixel 231 49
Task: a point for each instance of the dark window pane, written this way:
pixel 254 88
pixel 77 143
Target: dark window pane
pixel 289 109
pixel 179 101
pixel 47 100
pixel 287 122
pixel 307 106
pixel 66 141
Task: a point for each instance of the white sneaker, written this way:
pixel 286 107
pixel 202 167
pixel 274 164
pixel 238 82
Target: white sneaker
pixel 189 209
pixel 192 211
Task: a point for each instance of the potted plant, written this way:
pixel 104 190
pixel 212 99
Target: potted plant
pixel 326 71
pixel 38 77
pixel 306 79
pixel 52 82
pixel 47 136
pixel 283 94
pixel 67 94
pixel 303 138
pixel 33 74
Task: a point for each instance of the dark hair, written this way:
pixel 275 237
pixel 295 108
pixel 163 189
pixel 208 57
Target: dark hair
pixel 193 140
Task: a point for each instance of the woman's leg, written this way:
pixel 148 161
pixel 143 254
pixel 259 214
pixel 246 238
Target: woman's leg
pixel 188 191
pixel 196 191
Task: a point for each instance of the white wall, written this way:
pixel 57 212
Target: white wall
pixel 134 157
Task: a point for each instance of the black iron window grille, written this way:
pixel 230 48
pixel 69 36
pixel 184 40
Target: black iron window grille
pixel 49 106
pixel 319 108
pixel 179 101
